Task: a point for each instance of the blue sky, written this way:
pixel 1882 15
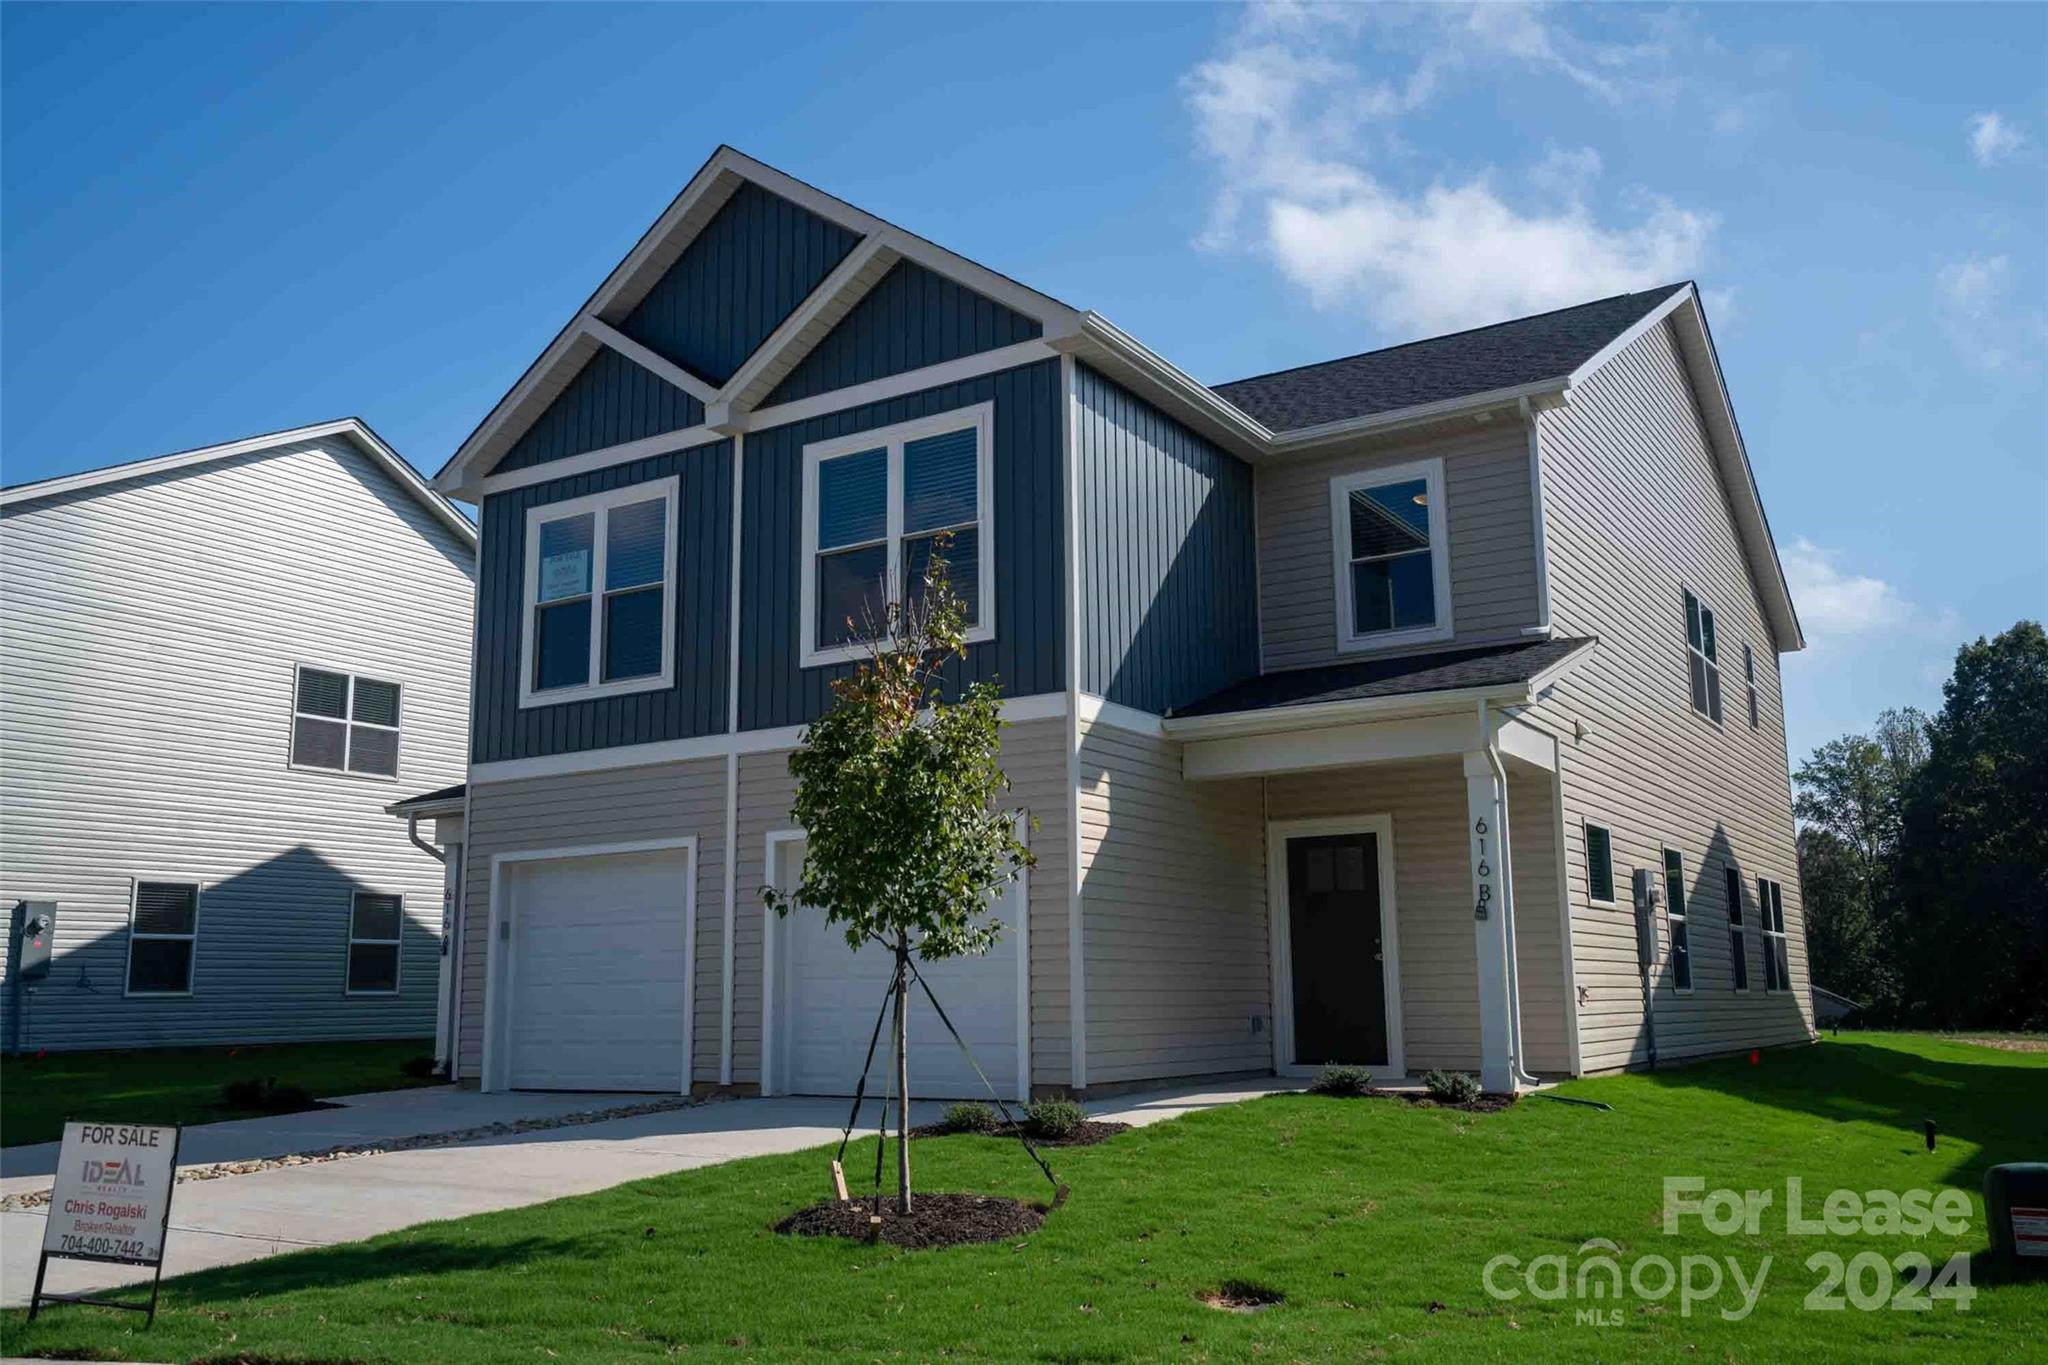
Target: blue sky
pixel 222 220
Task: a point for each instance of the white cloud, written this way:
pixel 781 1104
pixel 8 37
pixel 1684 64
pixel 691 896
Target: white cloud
pixel 1288 120
pixel 1973 300
pixel 1992 139
pixel 1974 286
pixel 1832 603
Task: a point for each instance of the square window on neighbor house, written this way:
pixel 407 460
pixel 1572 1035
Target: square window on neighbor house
pixel 880 509
pixel 376 927
pixel 599 596
pixel 163 928
pixel 345 723
pixel 1388 541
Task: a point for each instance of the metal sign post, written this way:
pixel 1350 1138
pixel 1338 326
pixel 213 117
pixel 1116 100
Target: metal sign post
pixel 111 1202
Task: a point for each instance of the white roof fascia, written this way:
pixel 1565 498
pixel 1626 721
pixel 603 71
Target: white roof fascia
pixel 353 428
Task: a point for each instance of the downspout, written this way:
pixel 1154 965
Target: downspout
pixel 1507 897
pixel 442 1005
pixel 412 832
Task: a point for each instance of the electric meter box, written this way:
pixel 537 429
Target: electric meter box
pixel 35 932
pixel 2016 1207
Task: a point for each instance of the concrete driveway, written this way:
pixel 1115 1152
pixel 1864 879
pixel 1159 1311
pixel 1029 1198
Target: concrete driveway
pixel 245 1217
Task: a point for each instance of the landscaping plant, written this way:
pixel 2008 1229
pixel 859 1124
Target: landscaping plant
pixel 1451 1087
pixel 1342 1080
pixel 896 790
pixel 970 1117
pixel 1054 1118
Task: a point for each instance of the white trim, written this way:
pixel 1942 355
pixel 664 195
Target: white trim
pixel 1683 916
pixel 843 287
pixel 598 506
pixel 355 429
pixel 1278 832
pixel 500 961
pixel 892 440
pixel 348 723
pixel 1530 744
pixel 1316 715
pixel 135 882
pixel 1094 710
pixel 1575 1056
pixel 732 761
pixel 1431 471
pixel 1646 323
pixel 773 927
pixel 1586 852
pixel 1337 746
pixel 726 955
pixel 660 366
pixel 396 944
pixel 548 471
pixel 1077 956
pixel 938 376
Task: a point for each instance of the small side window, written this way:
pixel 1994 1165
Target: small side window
pixel 1681 938
pixel 1770 904
pixel 1599 865
pixel 376 925
pixel 1738 952
pixel 163 927
pixel 1749 677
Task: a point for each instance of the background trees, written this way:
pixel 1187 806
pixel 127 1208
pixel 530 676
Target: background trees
pixel 1923 845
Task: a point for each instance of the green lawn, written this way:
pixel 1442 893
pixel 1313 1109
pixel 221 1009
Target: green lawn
pixel 182 1085
pixel 1375 1219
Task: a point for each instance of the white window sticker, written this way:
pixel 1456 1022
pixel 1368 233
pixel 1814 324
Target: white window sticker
pixel 565 575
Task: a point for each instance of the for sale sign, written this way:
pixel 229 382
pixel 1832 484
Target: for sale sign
pixel 112 1198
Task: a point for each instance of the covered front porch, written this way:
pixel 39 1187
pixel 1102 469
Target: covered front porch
pixel 1414 856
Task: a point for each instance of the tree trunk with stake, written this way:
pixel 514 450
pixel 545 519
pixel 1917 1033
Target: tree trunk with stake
pixel 902 1073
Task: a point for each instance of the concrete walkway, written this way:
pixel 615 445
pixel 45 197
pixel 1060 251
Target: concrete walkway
pixel 246 1217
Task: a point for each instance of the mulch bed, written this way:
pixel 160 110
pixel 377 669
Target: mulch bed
pixel 934 1220
pixel 1087 1135
pixel 1485 1104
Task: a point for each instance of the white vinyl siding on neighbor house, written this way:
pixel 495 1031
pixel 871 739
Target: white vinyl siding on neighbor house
pixel 874 507
pixel 1487 522
pixel 182 603
pixel 1636 515
pixel 1173 915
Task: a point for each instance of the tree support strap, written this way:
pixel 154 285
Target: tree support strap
pixel 968 1053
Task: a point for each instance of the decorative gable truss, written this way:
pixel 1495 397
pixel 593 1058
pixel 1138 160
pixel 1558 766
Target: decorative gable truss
pixel 745 276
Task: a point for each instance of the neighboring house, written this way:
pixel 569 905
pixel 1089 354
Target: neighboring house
pixel 1830 1008
pixel 217 669
pixel 1345 699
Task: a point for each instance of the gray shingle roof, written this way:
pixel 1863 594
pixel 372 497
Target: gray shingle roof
pixel 1490 666
pixel 1504 355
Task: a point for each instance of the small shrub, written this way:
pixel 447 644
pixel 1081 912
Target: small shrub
pixel 264 1095
pixel 1341 1080
pixel 970 1117
pixel 1055 1118
pixel 420 1067
pixel 1451 1087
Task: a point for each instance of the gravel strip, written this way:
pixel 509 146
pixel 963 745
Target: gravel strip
pixel 512 1128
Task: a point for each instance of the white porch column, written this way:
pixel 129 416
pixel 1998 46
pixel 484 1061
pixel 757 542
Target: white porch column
pixel 1483 802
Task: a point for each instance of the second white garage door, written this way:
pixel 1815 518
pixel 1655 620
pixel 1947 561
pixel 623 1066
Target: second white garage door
pixel 599 958
pixel 824 997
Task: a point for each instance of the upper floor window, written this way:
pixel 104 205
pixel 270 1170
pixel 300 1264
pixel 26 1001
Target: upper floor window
pixel 345 723
pixel 1392 556
pixel 875 504
pixel 1749 676
pixel 599 614
pixel 1702 656
pixel 163 927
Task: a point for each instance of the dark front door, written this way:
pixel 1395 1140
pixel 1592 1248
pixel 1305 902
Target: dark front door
pixel 1333 926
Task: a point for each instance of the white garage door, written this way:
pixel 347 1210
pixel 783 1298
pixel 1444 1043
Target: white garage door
pixel 597 970
pixel 826 996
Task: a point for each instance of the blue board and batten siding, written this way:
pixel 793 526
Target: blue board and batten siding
pixel 753 263
pixel 1028 653
pixel 1169 584
pixel 696 704
pixel 610 401
pixel 910 319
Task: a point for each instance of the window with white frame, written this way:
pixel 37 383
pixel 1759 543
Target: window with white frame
pixel 875 507
pixel 1770 899
pixel 1738 950
pixel 376 926
pixel 345 723
pixel 1392 556
pixel 1749 676
pixel 1702 657
pixel 163 928
pixel 1681 939
pixel 1599 865
pixel 599 596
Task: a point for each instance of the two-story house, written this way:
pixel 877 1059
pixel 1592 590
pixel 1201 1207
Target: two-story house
pixel 1346 700
pixel 217 669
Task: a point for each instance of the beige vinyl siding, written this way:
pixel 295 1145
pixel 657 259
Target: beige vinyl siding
pixel 1539 922
pixel 1034 758
pixel 1489 522
pixel 1173 915
pixel 622 805
pixel 148 644
pixel 1635 514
